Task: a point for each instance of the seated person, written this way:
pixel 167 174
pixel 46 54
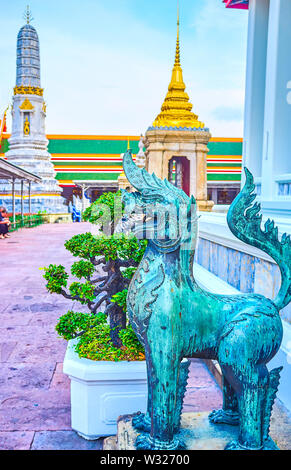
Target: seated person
pixel 4 223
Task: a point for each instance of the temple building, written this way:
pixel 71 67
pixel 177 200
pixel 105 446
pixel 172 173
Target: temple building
pixel 226 265
pixel 267 136
pixel 97 159
pixel 28 143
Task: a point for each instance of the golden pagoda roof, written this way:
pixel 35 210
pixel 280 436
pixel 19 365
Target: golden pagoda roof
pixel 176 110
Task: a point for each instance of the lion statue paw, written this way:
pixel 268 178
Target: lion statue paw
pixel 224 417
pixel 146 442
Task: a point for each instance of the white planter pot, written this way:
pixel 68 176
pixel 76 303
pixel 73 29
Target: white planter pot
pixel 102 391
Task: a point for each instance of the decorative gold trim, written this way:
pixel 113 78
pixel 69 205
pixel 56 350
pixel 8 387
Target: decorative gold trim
pixel 28 90
pixel 26 105
pixel 26 127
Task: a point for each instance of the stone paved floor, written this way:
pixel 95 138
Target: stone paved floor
pixel 34 393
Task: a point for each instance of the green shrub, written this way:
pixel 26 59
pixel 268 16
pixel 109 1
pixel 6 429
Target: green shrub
pixel 120 299
pixel 73 323
pixel 82 269
pixel 94 213
pixel 107 336
pixel 56 277
pixel 96 344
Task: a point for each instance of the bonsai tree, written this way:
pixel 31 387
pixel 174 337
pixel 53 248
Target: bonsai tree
pixel 105 267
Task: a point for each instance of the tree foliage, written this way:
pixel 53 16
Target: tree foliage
pixel 103 271
pixel 95 213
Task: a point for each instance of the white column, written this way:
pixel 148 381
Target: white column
pixel 29 197
pixel 13 200
pixel 255 86
pixel 193 177
pixel 22 200
pixel 83 198
pixel 277 125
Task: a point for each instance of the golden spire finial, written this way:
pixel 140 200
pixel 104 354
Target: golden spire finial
pixel 176 109
pixel 177 58
pixel 27 15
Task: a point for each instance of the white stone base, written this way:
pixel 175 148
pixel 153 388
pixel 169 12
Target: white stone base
pixel 102 391
pixel 196 430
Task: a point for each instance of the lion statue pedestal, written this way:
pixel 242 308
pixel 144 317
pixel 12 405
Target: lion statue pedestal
pixel 196 431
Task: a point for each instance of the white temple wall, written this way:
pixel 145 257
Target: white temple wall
pixel 277 134
pixel 255 86
pixel 267 136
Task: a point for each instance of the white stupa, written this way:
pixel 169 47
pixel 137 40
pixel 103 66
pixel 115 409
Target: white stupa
pixel 28 143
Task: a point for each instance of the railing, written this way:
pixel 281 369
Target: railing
pixel 284 184
pixel 27 221
pixel 284 189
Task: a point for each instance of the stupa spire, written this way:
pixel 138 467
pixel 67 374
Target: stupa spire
pixel 28 15
pixel 28 59
pixel 176 109
pixel 177 58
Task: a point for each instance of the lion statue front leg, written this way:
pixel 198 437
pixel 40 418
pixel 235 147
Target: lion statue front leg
pixel 142 421
pixel 164 382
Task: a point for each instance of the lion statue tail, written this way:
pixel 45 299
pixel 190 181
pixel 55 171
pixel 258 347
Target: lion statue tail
pixel 244 220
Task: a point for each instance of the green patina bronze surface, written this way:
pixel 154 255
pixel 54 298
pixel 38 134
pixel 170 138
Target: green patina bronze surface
pixel 175 318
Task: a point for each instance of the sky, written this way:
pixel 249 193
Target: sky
pixel 106 65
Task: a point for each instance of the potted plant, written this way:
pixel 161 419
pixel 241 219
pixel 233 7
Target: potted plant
pixel 104 358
